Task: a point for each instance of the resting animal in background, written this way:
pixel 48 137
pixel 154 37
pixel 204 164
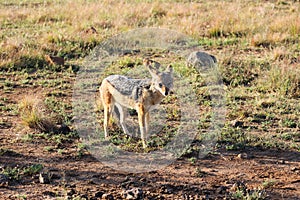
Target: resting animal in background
pixel 55 60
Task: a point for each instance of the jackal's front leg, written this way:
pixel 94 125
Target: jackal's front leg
pixel 142 123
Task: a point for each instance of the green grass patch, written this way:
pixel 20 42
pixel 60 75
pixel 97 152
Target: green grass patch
pixel 284 81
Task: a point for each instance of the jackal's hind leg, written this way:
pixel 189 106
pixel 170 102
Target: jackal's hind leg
pixel 106 99
pixel 123 115
pixel 108 111
pixel 147 117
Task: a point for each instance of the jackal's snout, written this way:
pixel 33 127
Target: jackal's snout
pixel 166 90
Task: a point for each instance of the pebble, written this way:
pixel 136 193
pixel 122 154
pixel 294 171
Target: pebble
pixel 134 193
pixel 107 196
pixel 237 123
pixel 98 194
pixel 43 178
pixel 243 156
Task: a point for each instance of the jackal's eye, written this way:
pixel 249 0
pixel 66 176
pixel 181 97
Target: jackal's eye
pixel 160 85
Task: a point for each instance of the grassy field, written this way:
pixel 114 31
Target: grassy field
pixel 256 43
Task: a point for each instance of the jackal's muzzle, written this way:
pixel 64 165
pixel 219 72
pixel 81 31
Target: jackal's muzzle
pixel 165 90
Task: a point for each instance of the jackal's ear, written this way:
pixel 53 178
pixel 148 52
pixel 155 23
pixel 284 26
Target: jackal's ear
pixel 152 70
pixel 169 69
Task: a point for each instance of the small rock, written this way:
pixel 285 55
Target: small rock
pixel 54 176
pixel 71 192
pixel 63 129
pixel 108 196
pixel 293 169
pixel 167 189
pixel 98 194
pixel 134 193
pixel 237 123
pixel 50 193
pixel 44 178
pixel 243 156
pixel 127 182
pixel 221 190
pixel 201 60
pixel 84 196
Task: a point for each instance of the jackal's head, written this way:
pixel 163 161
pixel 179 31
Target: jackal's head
pixel 161 81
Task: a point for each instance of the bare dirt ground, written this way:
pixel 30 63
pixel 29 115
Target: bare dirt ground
pixel 273 173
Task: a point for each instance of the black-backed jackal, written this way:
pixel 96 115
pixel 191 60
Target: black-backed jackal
pixel 140 94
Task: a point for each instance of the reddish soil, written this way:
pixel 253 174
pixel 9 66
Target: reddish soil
pixel 217 176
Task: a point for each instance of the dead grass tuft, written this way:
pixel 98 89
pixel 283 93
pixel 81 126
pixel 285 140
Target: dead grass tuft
pixel 33 114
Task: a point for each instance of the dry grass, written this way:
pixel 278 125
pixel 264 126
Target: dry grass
pixel 60 27
pixel 57 27
pixel 33 114
pixel 213 18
